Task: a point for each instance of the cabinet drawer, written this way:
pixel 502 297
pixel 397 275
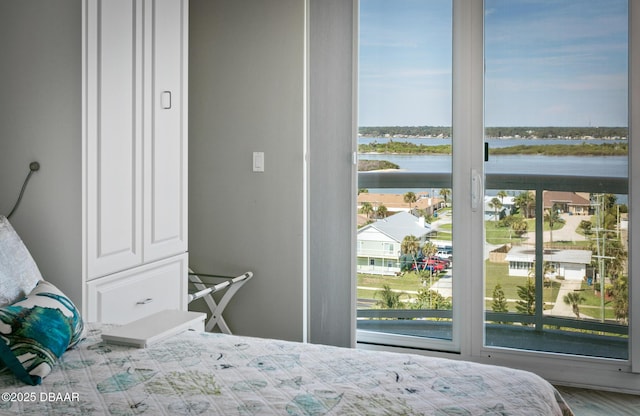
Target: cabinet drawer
pixel 138 292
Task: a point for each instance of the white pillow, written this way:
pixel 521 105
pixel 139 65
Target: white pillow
pixel 18 272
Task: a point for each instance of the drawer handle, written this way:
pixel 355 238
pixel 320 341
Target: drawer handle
pixel 144 302
pixel 165 100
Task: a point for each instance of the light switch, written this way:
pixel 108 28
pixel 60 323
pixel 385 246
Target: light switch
pixel 258 161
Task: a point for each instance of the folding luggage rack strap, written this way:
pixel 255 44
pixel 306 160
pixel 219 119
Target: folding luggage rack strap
pixel 206 286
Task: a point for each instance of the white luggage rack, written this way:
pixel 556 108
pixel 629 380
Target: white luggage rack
pixel 208 284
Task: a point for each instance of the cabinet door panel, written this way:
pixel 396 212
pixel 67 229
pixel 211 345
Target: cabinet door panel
pixel 114 136
pixel 166 134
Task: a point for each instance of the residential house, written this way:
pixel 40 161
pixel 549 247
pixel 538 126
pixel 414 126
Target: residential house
pixel 567 264
pixel 574 203
pixel 505 209
pixel 395 202
pixel 379 243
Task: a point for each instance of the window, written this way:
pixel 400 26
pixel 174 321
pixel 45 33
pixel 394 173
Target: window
pixel 556 108
pixel 405 80
pixel 525 230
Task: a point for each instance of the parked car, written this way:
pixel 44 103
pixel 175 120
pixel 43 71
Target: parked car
pixel 445 262
pixel 434 265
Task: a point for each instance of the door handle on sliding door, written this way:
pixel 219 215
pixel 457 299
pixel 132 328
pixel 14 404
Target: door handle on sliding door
pixel 476 190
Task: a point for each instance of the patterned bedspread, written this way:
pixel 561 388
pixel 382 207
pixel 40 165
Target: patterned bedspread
pixel 202 373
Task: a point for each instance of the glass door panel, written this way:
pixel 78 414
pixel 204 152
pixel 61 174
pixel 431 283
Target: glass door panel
pixel 404 245
pixel 556 198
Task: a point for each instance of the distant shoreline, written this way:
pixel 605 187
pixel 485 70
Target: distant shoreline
pixel 503 133
pixel 582 149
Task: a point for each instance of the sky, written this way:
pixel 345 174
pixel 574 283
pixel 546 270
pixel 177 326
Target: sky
pixel 548 62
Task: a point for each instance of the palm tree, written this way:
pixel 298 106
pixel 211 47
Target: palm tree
pixel 410 198
pixel 524 201
pixel 429 249
pixel 496 204
pixel 552 217
pixel 381 211
pixel 367 209
pixel 410 245
pixel 574 299
pixel 388 298
pixel 502 194
pixel 444 193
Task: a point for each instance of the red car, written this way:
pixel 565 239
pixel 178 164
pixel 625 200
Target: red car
pixel 435 265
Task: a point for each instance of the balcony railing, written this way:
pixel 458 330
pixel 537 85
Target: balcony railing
pixel 540 331
pixel 423 180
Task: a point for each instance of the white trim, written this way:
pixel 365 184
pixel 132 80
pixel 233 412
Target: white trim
pixel 468 232
pixel 354 170
pixel 634 173
pixel 306 327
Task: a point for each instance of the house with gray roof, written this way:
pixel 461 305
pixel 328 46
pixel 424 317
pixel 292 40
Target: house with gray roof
pixel 379 243
pixel 570 264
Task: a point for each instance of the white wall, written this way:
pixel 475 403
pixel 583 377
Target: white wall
pixel 40 118
pixel 246 77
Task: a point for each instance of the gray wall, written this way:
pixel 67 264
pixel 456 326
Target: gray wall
pixel 246 77
pixel 40 119
pixel 246 94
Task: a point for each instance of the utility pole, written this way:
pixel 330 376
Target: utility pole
pixel 601 236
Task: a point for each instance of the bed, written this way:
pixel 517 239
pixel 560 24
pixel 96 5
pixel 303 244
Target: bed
pixel 211 373
pixel 53 363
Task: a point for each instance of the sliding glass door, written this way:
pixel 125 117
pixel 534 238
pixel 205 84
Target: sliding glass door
pixel 405 253
pixel 503 229
pixel 556 202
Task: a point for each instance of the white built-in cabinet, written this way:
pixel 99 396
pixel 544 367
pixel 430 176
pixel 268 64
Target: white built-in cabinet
pixel 134 157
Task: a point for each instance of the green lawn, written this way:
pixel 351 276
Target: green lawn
pixel 497 234
pixel 498 273
pixel 411 282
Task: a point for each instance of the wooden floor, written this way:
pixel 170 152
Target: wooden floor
pixel 598 403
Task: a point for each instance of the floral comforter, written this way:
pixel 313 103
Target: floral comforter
pixel 213 374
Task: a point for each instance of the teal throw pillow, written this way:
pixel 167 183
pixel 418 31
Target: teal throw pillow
pixel 36 330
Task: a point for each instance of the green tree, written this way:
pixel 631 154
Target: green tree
pixel 430 299
pixel 585 226
pixel 367 209
pixel 429 249
pixel 381 211
pixel 519 226
pixel 552 216
pixel 444 193
pixel 499 303
pixel 502 195
pixel 410 198
pixel 621 299
pixel 527 294
pixel 525 201
pixel 389 299
pixel 410 246
pixel 574 299
pixel 496 205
